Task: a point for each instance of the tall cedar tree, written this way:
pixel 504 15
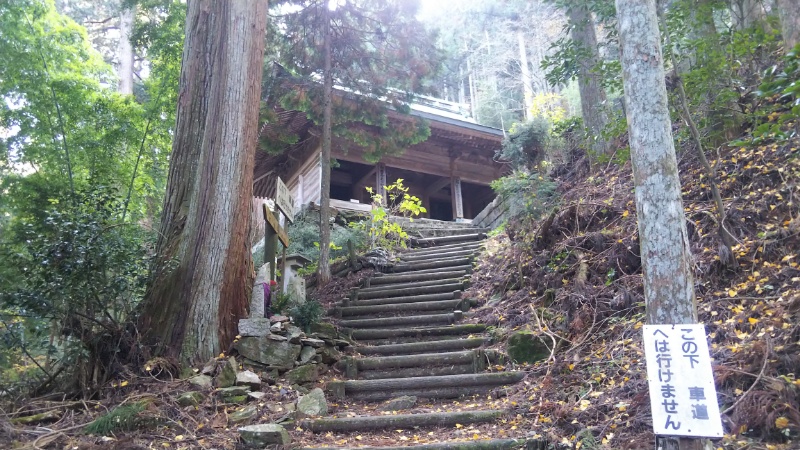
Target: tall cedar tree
pixel 202 272
pixel 666 258
pixel 375 48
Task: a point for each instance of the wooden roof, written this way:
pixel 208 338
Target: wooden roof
pixel 456 146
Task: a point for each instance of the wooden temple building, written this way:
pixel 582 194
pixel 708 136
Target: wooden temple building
pixel 450 171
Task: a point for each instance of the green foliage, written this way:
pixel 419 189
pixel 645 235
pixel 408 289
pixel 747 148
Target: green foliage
pixel 304 235
pixel 121 418
pixel 526 193
pixel 783 85
pixel 527 143
pixel 306 314
pixel 381 230
pixel 280 302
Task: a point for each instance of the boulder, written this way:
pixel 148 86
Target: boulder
pixel 191 398
pixel 294 334
pixel 248 378
pixel 258 395
pixel 266 351
pixel 312 342
pixel 262 435
pixel 303 374
pixel 307 354
pixel 276 327
pixel 243 414
pixel 526 347
pixel 330 355
pixel 203 381
pixel 278 318
pixel 399 403
pixel 325 329
pixel 312 404
pixel 227 376
pixel 234 394
pixel 256 326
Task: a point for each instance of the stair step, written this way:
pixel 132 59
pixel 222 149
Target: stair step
pixel 399 308
pixel 456 369
pixel 413 258
pixel 426 242
pixel 449 386
pixel 369 423
pixel 425 319
pixel 486 444
pixel 412 290
pixel 380 280
pixel 461 329
pixel 423 347
pixel 466 268
pixel 418 360
pixel 431 264
pixel 444 248
pixel 424 232
pixel 409 299
pixel 407 284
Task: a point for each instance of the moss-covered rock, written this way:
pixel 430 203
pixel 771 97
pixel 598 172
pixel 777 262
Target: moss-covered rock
pixel 271 353
pixel 303 374
pixel 191 398
pixel 526 347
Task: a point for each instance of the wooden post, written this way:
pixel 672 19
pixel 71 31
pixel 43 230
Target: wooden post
pixel 458 201
pixel 351 252
pixel 380 180
pixel 283 270
pixel 272 233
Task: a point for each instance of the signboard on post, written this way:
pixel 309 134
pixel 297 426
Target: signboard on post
pixel 284 200
pixel 682 392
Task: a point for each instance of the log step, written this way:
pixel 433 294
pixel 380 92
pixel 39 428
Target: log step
pixel 369 423
pixel 405 361
pixel 486 444
pixel 408 284
pixel 409 372
pixel 430 393
pixel 432 264
pixel 406 291
pixel 462 329
pixel 379 280
pixel 424 347
pixel 410 299
pixel 397 308
pixel 427 319
pixel 413 257
pixel 389 386
pixel 426 242
pixel 466 267
pixel 445 248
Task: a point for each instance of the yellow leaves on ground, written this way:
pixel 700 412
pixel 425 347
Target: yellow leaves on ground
pixel 781 423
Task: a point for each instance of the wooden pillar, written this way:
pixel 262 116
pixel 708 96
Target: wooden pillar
pixel 380 181
pixel 457 199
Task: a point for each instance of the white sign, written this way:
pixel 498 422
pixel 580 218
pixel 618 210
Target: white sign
pixel 284 200
pixel 682 393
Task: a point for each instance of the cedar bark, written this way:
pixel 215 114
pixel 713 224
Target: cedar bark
pixel 666 259
pixel 593 97
pixel 789 12
pixel 201 275
pixel 125 51
pixel 324 268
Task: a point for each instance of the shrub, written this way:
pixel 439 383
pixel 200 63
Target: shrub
pixel 527 143
pixel 526 193
pixel 306 314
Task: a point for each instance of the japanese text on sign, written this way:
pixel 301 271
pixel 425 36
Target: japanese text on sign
pixel 284 200
pixel 682 392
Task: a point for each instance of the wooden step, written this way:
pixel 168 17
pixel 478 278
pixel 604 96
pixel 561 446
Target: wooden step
pixel 419 360
pixel 445 254
pixel 431 264
pixel 410 299
pixel 456 369
pixel 389 322
pixel 369 423
pixel 466 267
pixel 418 332
pixel 449 386
pixel 423 347
pixel 378 280
pixel 446 248
pixel 427 242
pixel 407 291
pixel 408 284
pixel 398 308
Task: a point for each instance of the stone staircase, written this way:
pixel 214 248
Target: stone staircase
pixel 410 344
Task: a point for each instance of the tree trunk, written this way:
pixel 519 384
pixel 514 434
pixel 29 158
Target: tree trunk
pixel 666 260
pixel 746 13
pixel 324 269
pixel 125 52
pixel 201 274
pixel 789 13
pixel 593 97
pixel 527 90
